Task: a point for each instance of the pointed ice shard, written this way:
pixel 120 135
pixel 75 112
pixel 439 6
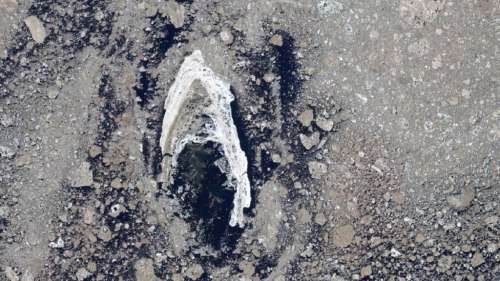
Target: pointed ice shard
pixel 198 110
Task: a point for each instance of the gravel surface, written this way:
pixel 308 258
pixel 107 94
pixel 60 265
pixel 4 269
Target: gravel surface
pixel 371 131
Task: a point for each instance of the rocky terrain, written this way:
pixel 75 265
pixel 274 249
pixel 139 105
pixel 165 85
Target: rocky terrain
pixel 371 131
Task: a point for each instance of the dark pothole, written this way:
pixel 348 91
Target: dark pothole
pixel 203 190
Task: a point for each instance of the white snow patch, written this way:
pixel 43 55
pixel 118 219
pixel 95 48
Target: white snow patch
pixel 216 126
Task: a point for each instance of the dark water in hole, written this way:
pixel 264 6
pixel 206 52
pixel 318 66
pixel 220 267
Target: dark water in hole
pixel 201 188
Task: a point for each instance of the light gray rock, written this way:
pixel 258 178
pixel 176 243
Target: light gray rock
pixel 306 117
pixel 6 152
pixel 226 36
pixel 105 234
pixel 329 7
pixel 27 276
pixel 144 270
pixel 343 235
pixel 58 244
pixel 4 212
pixel 276 40
pixel 10 274
pixel 82 176
pixel 52 93
pixel 317 169
pixel 194 272
pixel 36 29
pixel 461 201
pixel 116 210
pixel 3 53
pixel 325 124
pixel 176 13
pixel 82 274
pixel 320 219
pixel 309 141
pixel 6 120
pixel 477 260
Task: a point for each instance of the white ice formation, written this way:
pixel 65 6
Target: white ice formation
pixel 198 110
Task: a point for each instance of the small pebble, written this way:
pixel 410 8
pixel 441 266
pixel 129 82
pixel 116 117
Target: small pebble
pixel 276 40
pixel 36 29
pixel 226 36
pixel 306 117
pixel 52 93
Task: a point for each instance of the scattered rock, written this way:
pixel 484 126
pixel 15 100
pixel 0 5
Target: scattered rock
pixel 335 277
pixel 492 247
pixel 88 215
pixel 150 8
pixel 493 220
pixel 320 219
pixel 317 169
pixel 309 141
pixel 421 12
pixel 58 244
pixel 276 158
pixel 226 36
pixel 36 28
pixel 10 274
pixel 395 253
pixel 82 274
pixel 477 259
pixel 461 201
pixel 276 40
pixel 419 48
pixel 365 271
pixel 306 117
pixel 6 152
pixel 279 277
pixel 117 183
pixel 95 151
pixel 4 212
pixel 176 13
pixel 144 270
pixel 419 238
pixel 3 53
pixel 325 124
pixel 27 276
pixel 343 235
pixel 116 210
pixel 309 251
pixel 303 216
pixel 104 234
pixel 6 120
pixel 329 7
pixel 194 272
pixel 23 160
pixel 269 77
pixel 437 62
pixel 92 267
pixel 247 267
pixel 82 176
pixel 52 93
pixel 444 263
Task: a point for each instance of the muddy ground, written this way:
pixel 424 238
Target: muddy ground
pixel 372 130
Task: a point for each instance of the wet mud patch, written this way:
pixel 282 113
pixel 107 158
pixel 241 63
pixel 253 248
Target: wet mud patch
pixel 255 129
pixel 161 35
pixel 276 99
pixel 287 67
